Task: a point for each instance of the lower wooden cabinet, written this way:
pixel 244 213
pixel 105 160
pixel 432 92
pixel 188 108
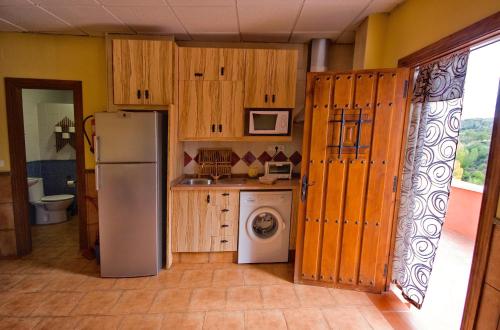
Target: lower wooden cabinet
pixel 205 220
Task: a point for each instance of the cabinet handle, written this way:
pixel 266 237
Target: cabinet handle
pixel 225 194
pixel 138 93
pixel 225 210
pixel 223 241
pixel 265 98
pixel 273 98
pixel 213 128
pixel 224 226
pixel 198 74
pixel 220 128
pixel 222 71
pixel 208 199
pixel 146 94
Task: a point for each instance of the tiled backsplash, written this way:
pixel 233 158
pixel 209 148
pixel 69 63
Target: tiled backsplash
pixel 54 174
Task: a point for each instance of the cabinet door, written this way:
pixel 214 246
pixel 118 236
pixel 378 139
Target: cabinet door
pixel 198 63
pixel 283 78
pixel 127 71
pixel 192 221
pixel 158 72
pixel 230 116
pixel 225 220
pixel 256 78
pixel 198 101
pixel 231 64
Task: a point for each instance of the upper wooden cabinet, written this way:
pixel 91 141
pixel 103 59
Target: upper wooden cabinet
pixel 211 63
pixel 270 78
pixel 142 72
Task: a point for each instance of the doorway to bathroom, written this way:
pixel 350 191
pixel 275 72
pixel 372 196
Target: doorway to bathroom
pixel 45 129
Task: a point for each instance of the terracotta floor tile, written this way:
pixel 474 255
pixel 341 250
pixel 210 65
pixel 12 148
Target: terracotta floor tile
pixel 374 317
pixel 9 281
pixel 305 318
pixel 279 296
pixel 22 304
pixel 98 322
pixel 387 302
pixel 243 297
pixel 314 296
pixel 265 319
pixel 259 276
pixel 59 323
pixel 401 320
pixel 32 283
pixel 228 277
pixel 196 278
pixel 204 299
pixel 97 303
pixel 58 304
pixel 224 320
pixel 131 283
pixel 92 283
pixel 13 266
pixel 183 321
pixel 134 302
pixel 19 322
pixel 350 297
pixel 165 279
pixel 171 300
pixel 345 318
pixel 65 282
pixel 143 322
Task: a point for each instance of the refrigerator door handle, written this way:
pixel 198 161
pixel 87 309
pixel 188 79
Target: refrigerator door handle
pixel 97 180
pixel 97 148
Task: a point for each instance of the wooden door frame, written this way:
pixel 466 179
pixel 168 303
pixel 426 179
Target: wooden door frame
pixel 17 150
pixel 480 32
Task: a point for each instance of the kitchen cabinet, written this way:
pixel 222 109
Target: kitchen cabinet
pixel 205 220
pixel 270 78
pixel 210 109
pixel 142 72
pixel 211 64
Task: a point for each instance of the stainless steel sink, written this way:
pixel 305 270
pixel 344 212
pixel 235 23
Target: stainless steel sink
pixel 197 181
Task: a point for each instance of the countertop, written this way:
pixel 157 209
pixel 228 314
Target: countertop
pixel 239 183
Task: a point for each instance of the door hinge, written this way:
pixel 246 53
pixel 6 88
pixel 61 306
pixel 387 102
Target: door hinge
pixel 405 91
pixel 385 270
pixel 395 184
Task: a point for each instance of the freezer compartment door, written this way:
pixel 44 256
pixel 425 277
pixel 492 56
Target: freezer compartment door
pixel 127 137
pixel 129 219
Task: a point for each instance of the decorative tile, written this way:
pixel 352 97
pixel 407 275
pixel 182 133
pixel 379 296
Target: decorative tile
pixel 264 157
pixel 248 158
pixel 187 158
pixel 196 158
pixel 296 158
pixel 280 157
pixel 234 158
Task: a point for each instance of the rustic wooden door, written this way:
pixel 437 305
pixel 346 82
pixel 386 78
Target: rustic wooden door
pixel 283 78
pixel 158 72
pixel 128 73
pixel 352 139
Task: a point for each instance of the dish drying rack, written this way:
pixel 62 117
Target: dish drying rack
pixel 214 162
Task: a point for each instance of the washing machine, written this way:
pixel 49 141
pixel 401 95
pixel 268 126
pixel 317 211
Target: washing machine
pixel 264 229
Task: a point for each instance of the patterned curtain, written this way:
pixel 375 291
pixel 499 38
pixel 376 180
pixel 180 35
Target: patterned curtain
pixel 430 154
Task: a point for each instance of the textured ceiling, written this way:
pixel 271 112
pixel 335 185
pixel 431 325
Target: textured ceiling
pixel 203 20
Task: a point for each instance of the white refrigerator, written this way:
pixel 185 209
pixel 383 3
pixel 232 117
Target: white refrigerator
pixel 128 172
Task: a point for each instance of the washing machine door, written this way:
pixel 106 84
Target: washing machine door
pixel 265 224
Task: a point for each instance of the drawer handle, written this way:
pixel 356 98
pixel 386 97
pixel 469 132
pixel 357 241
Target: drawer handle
pixel 223 241
pixel 138 93
pixel 208 199
pixel 146 94
pixel 225 210
pixel 224 226
pixel 225 194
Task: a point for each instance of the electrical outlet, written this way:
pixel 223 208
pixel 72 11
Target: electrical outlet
pixel 272 149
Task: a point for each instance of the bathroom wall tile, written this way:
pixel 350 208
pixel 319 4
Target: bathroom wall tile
pixel 6 216
pixel 7 243
pixel 5 189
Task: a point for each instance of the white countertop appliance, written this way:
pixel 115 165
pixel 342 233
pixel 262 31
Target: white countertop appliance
pixel 264 228
pixel 128 153
pixel 269 122
pixel 279 170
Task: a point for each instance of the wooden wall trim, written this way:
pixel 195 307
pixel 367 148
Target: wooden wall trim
pixel 15 125
pixel 491 194
pixel 482 30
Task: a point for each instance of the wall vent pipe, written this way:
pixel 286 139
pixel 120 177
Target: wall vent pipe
pixel 319 55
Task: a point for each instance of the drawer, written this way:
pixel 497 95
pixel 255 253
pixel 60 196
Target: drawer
pixel 224 243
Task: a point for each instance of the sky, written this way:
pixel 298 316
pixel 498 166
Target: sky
pixel 481 82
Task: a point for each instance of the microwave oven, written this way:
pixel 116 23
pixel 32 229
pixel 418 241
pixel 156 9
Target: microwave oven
pixel 279 170
pixel 269 122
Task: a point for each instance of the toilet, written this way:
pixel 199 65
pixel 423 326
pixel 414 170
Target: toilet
pixel 49 209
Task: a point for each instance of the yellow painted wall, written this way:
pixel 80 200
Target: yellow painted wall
pixel 417 23
pixel 375 39
pixel 25 55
